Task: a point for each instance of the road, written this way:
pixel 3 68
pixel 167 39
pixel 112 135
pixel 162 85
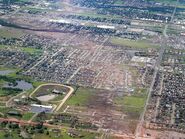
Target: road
pixel 65 98
pixel 95 54
pixel 71 90
pixel 54 54
pixel 23 122
pixel 76 71
pixel 159 98
pixel 8 103
pixel 157 65
pixel 138 131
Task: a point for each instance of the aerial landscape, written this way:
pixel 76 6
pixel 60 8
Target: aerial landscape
pixel 92 69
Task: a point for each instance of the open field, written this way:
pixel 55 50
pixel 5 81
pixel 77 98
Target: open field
pixel 64 134
pixel 81 97
pixel 14 135
pixel 29 50
pixel 49 134
pixel 27 116
pixel 32 51
pixel 96 105
pixel 132 44
pixel 133 104
pixel 11 33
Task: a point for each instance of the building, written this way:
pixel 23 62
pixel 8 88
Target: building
pixel 105 27
pixel 55 91
pixel 41 108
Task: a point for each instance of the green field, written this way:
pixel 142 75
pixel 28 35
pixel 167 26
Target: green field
pixel 32 51
pixel 119 2
pixel 29 50
pixel 11 33
pixel 133 104
pixel 12 74
pixel 4 110
pixel 165 1
pixel 27 116
pixel 58 98
pixel 3 46
pixel 81 96
pixel 64 135
pixel 132 44
pixel 2 104
pixel 37 83
pixel 7 135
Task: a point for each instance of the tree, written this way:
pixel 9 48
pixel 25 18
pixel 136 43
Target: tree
pixel 47 133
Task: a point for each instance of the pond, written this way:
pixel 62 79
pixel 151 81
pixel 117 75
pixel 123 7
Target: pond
pixel 6 72
pixel 21 85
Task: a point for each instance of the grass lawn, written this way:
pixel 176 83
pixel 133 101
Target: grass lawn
pixel 131 43
pixel 11 32
pixel 12 135
pixel 119 2
pixel 134 101
pixel 5 109
pixel 64 135
pixel 29 50
pixel 2 103
pixel 37 83
pixel 4 93
pixel 27 116
pixel 81 96
pixel 3 46
pixel 7 68
pixel 133 105
pixel 32 51
pixel 58 98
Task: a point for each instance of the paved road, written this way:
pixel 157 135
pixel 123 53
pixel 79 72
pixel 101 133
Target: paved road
pixel 23 122
pixel 159 98
pixel 156 69
pixel 157 65
pixel 65 98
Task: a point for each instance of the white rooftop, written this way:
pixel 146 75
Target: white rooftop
pixel 105 27
pixel 42 106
